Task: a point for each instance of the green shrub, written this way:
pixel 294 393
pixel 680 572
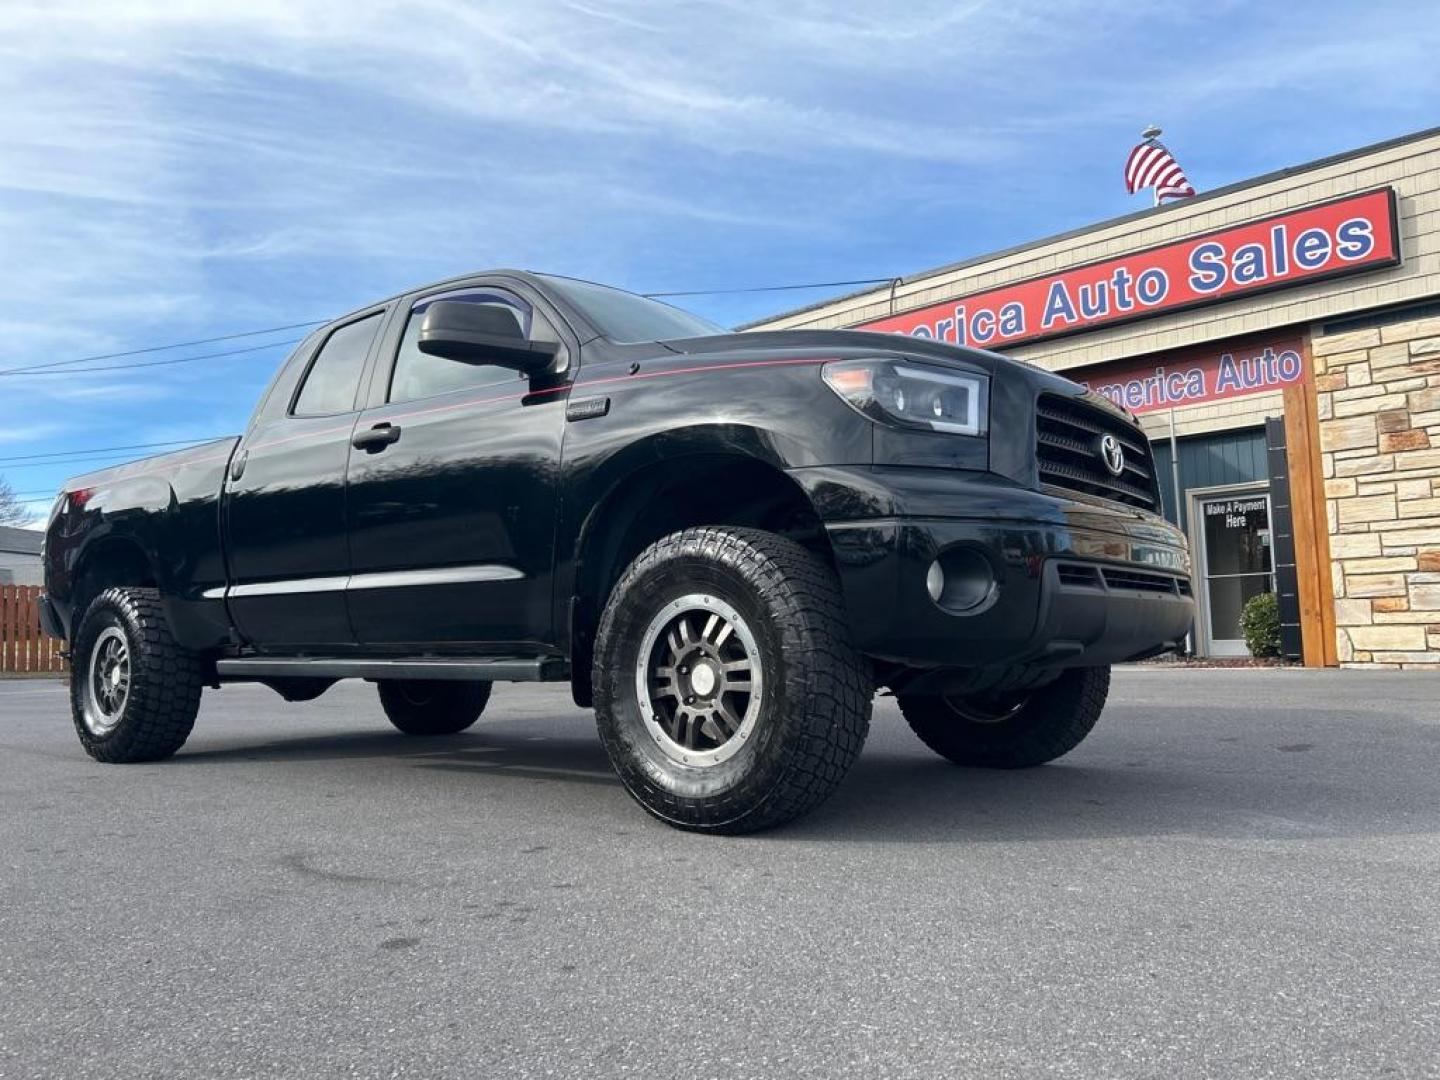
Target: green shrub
pixel 1260 624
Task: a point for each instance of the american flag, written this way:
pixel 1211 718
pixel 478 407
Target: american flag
pixel 1151 165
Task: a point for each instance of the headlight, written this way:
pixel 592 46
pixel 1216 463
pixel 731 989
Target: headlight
pixel 912 395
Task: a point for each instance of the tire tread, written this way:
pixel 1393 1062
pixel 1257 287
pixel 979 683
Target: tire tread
pixel 456 706
pixel 1061 715
pixel 834 682
pixel 166 681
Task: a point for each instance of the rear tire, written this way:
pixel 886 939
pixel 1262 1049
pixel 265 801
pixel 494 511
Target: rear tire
pixel 426 707
pixel 1014 732
pixel 727 692
pixel 134 692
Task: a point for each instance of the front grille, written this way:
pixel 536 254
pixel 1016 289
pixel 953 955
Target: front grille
pixel 1091 576
pixel 1144 581
pixel 1078 577
pixel 1067 434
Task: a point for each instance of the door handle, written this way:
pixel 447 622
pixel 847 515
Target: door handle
pixel 377 438
pixel 237 465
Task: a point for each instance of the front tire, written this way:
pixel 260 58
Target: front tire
pixel 134 692
pixel 1014 732
pixel 727 692
pixel 426 707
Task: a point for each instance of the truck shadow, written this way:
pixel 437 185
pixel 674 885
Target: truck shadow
pixel 567 760
pixel 1227 791
pixel 903 799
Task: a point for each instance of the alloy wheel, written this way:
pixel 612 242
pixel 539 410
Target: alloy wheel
pixel 699 680
pixel 107 685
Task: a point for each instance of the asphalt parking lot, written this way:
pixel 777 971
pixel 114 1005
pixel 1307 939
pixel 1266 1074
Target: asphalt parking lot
pixel 1237 875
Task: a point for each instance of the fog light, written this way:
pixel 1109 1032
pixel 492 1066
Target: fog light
pixel 961 581
pixel 935 581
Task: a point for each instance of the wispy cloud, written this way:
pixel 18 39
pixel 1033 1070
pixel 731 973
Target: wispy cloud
pixel 79 391
pixel 27 433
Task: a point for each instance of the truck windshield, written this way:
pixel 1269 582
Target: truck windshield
pixel 626 318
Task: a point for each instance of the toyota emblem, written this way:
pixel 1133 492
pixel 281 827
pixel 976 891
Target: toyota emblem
pixel 1112 454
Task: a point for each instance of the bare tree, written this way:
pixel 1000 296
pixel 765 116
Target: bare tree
pixel 12 510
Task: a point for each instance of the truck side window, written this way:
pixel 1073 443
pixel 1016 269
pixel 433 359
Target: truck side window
pixel 420 375
pixel 334 375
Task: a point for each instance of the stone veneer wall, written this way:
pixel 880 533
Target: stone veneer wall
pixel 1378 396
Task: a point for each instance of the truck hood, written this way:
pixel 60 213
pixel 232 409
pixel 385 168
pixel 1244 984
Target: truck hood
pixel 848 340
pixel 854 342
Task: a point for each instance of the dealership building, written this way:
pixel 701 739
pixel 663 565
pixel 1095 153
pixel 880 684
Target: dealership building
pixel 1279 340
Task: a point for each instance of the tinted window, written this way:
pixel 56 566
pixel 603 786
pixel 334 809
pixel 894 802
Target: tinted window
pixel 281 391
pixel 420 375
pixel 626 318
pixel 335 375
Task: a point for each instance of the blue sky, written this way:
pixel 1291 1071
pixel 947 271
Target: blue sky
pixel 177 170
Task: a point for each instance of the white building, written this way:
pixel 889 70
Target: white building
pixel 20 556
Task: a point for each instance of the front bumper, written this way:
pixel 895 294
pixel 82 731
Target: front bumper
pixel 1074 584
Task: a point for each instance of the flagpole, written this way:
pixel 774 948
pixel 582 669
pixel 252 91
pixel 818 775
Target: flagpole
pixel 1150 134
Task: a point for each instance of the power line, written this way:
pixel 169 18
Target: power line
pixel 87 454
pixel 771 288
pixel 98 460
pixel 103 449
pixel 162 348
pixel 61 457
pixel 35 372
pixel 31 368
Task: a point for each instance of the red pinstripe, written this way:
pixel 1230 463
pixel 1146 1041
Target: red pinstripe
pixel 580 384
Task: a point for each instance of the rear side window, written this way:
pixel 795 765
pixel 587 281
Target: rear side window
pixel 334 376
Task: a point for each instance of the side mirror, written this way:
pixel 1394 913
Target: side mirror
pixel 482 334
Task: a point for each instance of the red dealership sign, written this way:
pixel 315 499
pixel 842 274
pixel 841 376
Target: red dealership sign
pixel 1344 236
pixel 1191 376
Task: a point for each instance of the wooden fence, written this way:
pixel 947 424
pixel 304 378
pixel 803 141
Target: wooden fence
pixel 24 647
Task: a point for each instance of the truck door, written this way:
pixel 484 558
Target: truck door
pixel 452 491
pixel 284 508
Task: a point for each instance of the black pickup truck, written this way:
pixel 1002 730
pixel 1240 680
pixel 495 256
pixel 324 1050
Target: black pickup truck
pixel 725 543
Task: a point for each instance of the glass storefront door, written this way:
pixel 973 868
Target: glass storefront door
pixel 1235 563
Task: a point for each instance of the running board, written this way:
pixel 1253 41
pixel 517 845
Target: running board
pixel 469 669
